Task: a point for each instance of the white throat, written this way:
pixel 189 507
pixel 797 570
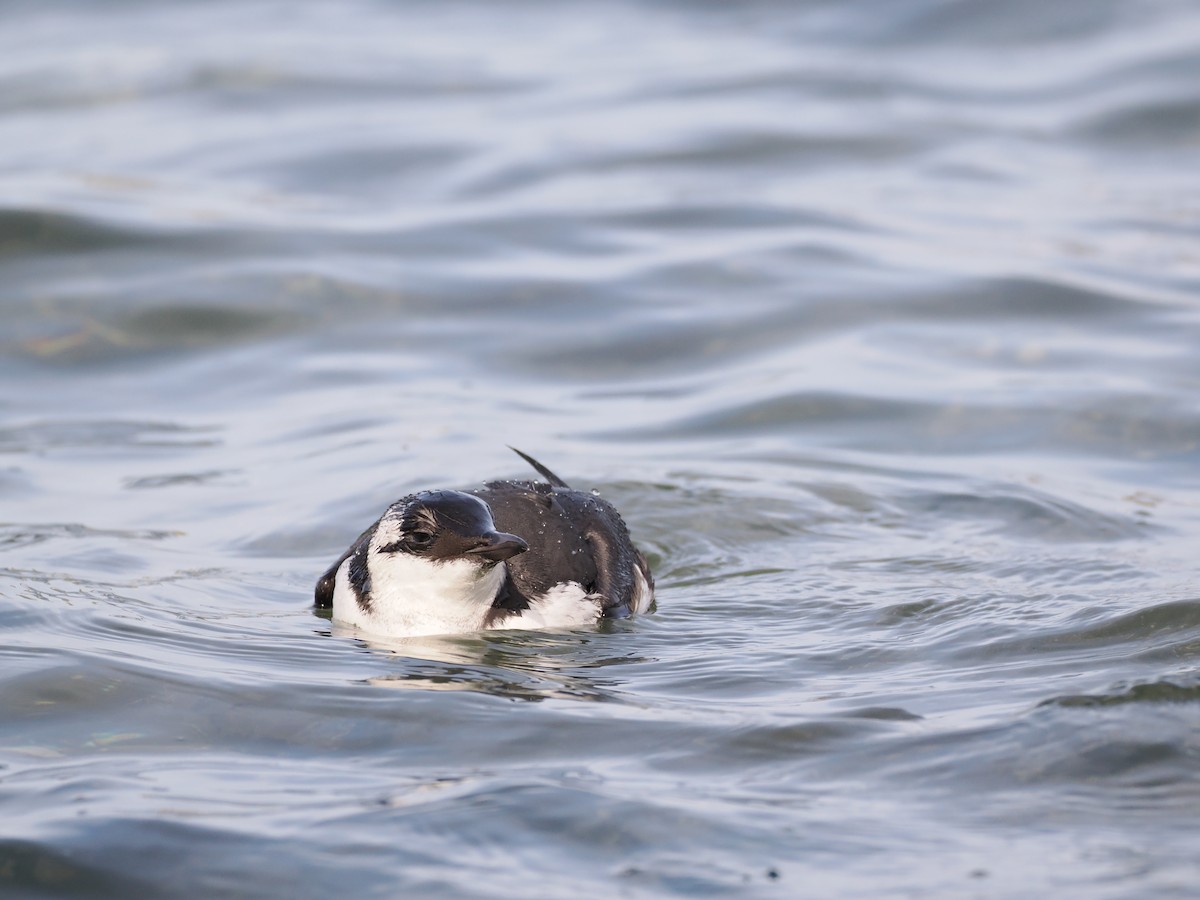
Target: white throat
pixel 412 596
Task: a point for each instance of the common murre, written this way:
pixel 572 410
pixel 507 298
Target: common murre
pixel 512 554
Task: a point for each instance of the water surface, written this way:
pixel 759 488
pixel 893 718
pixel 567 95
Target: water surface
pixel 879 323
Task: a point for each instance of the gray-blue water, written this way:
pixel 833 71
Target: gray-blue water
pixel 880 322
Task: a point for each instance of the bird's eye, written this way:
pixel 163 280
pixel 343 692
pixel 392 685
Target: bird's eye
pixel 420 540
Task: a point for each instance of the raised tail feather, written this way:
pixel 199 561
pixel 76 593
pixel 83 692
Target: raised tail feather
pixel 541 470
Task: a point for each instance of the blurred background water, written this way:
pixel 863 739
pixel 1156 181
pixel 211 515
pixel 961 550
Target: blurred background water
pixel 879 322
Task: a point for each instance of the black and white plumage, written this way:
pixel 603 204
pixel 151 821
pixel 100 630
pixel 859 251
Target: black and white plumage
pixel 512 554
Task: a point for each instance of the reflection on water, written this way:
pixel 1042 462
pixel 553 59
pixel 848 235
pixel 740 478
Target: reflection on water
pixel 877 322
pixel 523 666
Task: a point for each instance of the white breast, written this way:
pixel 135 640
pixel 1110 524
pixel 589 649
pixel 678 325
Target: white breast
pixel 412 596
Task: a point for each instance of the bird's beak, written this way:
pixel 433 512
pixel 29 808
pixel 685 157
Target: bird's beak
pixel 498 546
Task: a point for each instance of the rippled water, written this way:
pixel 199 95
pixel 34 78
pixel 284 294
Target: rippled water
pixel 880 322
